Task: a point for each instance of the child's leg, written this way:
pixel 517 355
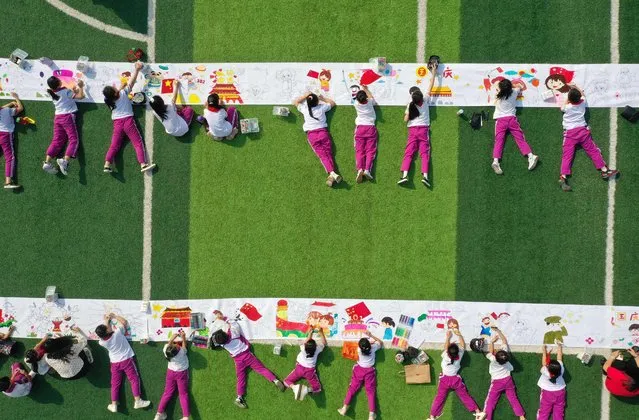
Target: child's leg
pixel 360 146
pixel 409 151
pixel 133 133
pixel 186 112
pixel 116 380
pixel 559 406
pixel 464 396
pixel 117 139
pixel 182 379
pixel 371 149
pixel 295 375
pixel 133 376
pixel 593 151
pixel 501 129
pixel 545 405
pixel 357 380
pixel 443 388
pixel 233 117
pixel 518 135
pixel 169 389
pixel 71 130
pixel 320 142
pixel 494 392
pixel 260 369
pixel 6 142
pixel 59 137
pixel 567 154
pixel 370 381
pixel 511 394
pixel 241 366
pixel 424 149
pixel 313 380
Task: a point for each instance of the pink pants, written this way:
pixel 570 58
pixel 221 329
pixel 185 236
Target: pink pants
pixel 368 378
pixel 310 374
pixel 365 146
pixel 6 142
pixel 187 115
pixel 497 387
pixel 320 142
pixel 504 125
pixel 64 128
pixel 128 368
pixel 417 140
pixel 121 127
pixel 232 116
pixel 181 381
pixel 447 384
pixel 573 138
pixel 245 361
pixel 552 402
pixel 20 378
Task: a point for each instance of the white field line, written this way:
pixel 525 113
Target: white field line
pixel 612 188
pixel 113 30
pixel 147 215
pixel 421 31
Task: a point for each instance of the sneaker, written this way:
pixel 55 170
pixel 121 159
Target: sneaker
pixel 497 168
pixel 372 416
pixel 279 385
pixel 63 164
pixel 402 180
pixel 342 411
pixel 564 185
pixel 330 181
pixel 200 119
pixel 49 168
pixel 112 408
pixel 160 416
pixel 610 174
pixel 240 402
pixel 147 167
pixel 88 354
pixel 338 178
pixel 368 175
pixel 426 182
pixel 303 392
pixel 532 162
pixel 360 177
pixel 11 186
pixel 296 391
pixel 232 135
pixel 480 416
pixel 140 403
pixel 107 169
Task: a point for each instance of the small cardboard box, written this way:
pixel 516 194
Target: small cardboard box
pixel 417 374
pixel 250 125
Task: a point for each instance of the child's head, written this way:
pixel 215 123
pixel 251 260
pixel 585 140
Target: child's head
pixel 54 83
pixel 417 99
pixel 310 347
pixel 554 370
pixel 102 332
pixel 502 357
pixel 5 383
pixel 171 351
pixel 220 337
pixel 574 96
pixel 453 352
pixel 505 89
pixel 312 101
pixel 31 356
pixel 59 348
pixel 361 97
pixel 158 105
pixel 213 100
pixel 110 96
pixel 365 346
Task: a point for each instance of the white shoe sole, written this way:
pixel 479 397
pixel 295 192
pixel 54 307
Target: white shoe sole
pixel 148 167
pixel 497 169
pixel 532 165
pixel 402 181
pixel 63 170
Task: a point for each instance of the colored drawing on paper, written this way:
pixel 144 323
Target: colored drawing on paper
pixel 388 324
pixel 402 332
pixel 555 330
pixel 286 328
pixel 356 325
pixel 176 317
pixel 224 85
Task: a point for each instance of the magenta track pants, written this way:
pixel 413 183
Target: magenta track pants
pixel 320 142
pixel 552 402
pixel 179 380
pixel 365 146
pixel 310 374
pixel 128 368
pixel 457 385
pixel 186 112
pixel 6 142
pixel 245 361
pixel 504 125
pixel 418 139
pixel 579 136
pixel 498 387
pixel 126 127
pixel 64 128
pixel 368 378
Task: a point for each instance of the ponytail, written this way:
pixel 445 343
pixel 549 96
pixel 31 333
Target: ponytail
pixel 311 101
pixel 158 106
pixel 365 346
pixel 54 84
pixel 505 89
pixel 417 99
pixel 110 96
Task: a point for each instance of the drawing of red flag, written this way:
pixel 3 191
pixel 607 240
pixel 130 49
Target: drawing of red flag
pixel 312 74
pixel 167 85
pixel 250 312
pixel 368 77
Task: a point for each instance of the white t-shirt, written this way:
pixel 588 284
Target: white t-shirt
pixel 319 112
pixel 7 120
pixel 19 390
pixel 368 361
pixel 43 366
pixel 423 119
pixel 544 380
pixel 574 115
pixel 65 103
pixel 365 113
pixel 506 107
pixel 496 370
pixel 309 362
pixel 118 347
pixel 123 107
pixel 448 368
pixel 236 345
pixel 174 125
pixel 218 124
pixel 179 362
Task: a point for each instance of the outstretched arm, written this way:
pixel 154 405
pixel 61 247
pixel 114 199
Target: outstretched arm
pixel 560 352
pixel 300 99
pixel 328 101
pixel 17 104
pixel 78 91
pixel 462 343
pixel 323 337
pixel 500 335
pixel 377 340
pixel 449 334
pixel 610 359
pixel 176 91
pixel 138 66
pixel 544 361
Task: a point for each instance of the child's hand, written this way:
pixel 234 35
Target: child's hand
pixel 139 65
pixel 456 331
pixel 449 333
pixel 615 354
pixel 75 328
pixel 632 352
pixel 177 82
pixel 367 333
pixel 80 83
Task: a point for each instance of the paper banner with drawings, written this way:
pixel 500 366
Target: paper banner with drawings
pixel 605 85
pixel 400 323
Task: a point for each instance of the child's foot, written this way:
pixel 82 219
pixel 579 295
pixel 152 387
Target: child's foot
pixel 107 169
pixel 329 181
pixel 342 411
pixel 63 164
pixel 140 403
pixel 360 177
pixel 49 168
pixel 368 175
pixel 564 185
pixel 233 134
pixel 296 391
pixel 609 174
pixel 279 385
pixel 532 162
pixel 88 354
pixel 112 407
pixel 337 178
pixel 147 167
pixel 11 186
pixel 303 392
pixel 201 120
pixel 426 182
pixel 497 168
pixel 402 180
pixel 372 416
pixel 241 402
pixel 160 416
pixel 480 415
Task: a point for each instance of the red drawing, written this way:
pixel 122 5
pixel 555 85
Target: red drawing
pixel 56 325
pixel 176 317
pixel 250 312
pixel 284 327
pixel 312 74
pixel 358 312
pixel 168 85
pixel 369 77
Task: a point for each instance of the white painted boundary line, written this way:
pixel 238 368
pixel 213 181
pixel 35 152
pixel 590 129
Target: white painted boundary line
pixel 147 214
pixel 612 188
pixel 421 31
pixel 113 30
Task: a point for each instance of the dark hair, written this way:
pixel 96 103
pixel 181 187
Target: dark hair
pixel 220 337
pixel 502 357
pixel 633 327
pixel 388 320
pixel 365 346
pixel 505 89
pixel 213 100
pixel 54 84
pixel 59 348
pixel 554 369
pixel 310 347
pixel 361 97
pixel 31 357
pixel 565 88
pixel 574 96
pixel 158 106
pixel 171 351
pixel 417 98
pixel 110 96
pixel 453 352
pixel 5 383
pixel 311 101
pixel 477 345
pixel 102 332
pixel 630 384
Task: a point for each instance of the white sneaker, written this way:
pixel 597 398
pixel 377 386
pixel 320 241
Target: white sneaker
pixel 303 392
pixel 141 403
pixel 329 181
pixel 296 391
pixel 368 175
pixel 147 167
pixel 63 164
pixel 532 162
pixel 160 416
pixel 337 178
pixel 11 186
pixel 402 180
pixel 342 411
pixel 480 416
pixel 112 408
pixel 88 354
pixel 497 168
pixel 49 168
pixel 360 177
pixel 372 416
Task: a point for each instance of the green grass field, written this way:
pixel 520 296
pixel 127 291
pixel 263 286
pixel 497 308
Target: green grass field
pixel 254 218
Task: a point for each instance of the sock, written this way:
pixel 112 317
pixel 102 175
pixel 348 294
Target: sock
pixel 495 160
pixel 425 175
pixel 404 174
pixel 530 155
pixel 333 174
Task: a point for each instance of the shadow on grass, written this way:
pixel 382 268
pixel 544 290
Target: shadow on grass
pixel 80 155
